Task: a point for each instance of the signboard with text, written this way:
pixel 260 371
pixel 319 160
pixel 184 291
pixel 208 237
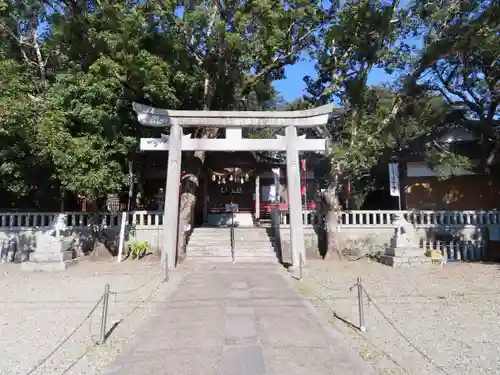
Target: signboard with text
pixel 394 179
pixel 232 207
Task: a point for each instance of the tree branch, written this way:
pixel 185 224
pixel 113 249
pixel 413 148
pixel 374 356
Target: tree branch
pixel 18 40
pixel 447 85
pixel 277 62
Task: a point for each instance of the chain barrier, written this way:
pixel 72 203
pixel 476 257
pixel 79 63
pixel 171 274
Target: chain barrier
pixel 130 291
pixel 141 302
pixel 361 291
pixel 77 328
pixel 408 341
pixel 104 332
pixel 363 336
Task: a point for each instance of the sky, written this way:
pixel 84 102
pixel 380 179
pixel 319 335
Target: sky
pixel 293 86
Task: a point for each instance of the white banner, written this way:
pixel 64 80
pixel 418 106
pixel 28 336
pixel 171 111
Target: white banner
pixel 394 179
pixel 268 194
pixel 276 172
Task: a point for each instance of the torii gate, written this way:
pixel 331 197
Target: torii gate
pixel 234 122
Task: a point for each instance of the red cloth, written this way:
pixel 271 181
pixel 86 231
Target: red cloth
pixel 268 207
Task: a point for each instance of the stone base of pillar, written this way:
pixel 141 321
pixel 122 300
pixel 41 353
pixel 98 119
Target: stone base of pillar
pixel 47 266
pixel 52 254
pixel 404 257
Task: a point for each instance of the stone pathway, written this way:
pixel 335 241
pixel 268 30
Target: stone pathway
pixel 237 319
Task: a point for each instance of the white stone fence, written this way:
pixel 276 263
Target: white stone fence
pixel 434 228
pixel 463 235
pixel 420 219
pixel 348 219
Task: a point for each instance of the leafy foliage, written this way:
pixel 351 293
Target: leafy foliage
pixel 357 38
pixel 460 62
pixel 73 69
pixel 137 249
pixel 70 70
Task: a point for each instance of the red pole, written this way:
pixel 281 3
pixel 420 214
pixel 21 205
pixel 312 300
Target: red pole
pixel 304 181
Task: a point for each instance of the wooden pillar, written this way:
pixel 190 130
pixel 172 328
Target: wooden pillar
pixel 171 216
pixel 257 198
pixel 294 195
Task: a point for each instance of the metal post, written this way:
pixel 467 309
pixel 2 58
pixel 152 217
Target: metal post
pixel 360 306
pixel 232 220
pixel 232 231
pixel 104 316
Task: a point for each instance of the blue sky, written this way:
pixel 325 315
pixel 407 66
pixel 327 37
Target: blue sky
pixel 293 86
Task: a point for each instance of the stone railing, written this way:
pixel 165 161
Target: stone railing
pixel 355 219
pixel 75 220
pixel 368 226
pixel 421 219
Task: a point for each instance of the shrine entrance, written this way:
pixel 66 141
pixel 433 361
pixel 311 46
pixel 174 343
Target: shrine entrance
pixel 229 179
pixel 233 122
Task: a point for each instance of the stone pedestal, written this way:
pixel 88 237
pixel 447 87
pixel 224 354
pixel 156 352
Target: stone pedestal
pixel 53 249
pixel 404 257
pixel 404 250
pixel 51 254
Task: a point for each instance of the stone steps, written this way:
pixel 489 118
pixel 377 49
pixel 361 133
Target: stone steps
pixel 252 245
pixel 220 259
pixel 267 250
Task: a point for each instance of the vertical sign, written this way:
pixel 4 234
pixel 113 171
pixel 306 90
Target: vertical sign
pixel 303 177
pixel 276 173
pixel 394 179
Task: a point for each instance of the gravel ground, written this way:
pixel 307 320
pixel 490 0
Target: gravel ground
pixel 450 314
pixel 39 310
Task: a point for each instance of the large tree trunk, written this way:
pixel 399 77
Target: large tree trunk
pixel 190 184
pixel 191 179
pixel 333 250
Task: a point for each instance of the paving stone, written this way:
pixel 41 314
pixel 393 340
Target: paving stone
pixel 239 294
pixel 239 310
pixel 240 326
pixel 243 360
pixel 241 330
pixel 239 285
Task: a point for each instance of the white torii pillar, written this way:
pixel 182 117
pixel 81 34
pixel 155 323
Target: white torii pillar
pixel 294 195
pixel 234 122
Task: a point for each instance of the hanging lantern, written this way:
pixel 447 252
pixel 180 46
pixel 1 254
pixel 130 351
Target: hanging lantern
pixel 213 177
pixel 223 180
pixel 230 177
pixel 246 177
pixel 242 181
pixel 218 181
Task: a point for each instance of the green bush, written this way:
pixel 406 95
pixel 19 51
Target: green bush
pixel 137 249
